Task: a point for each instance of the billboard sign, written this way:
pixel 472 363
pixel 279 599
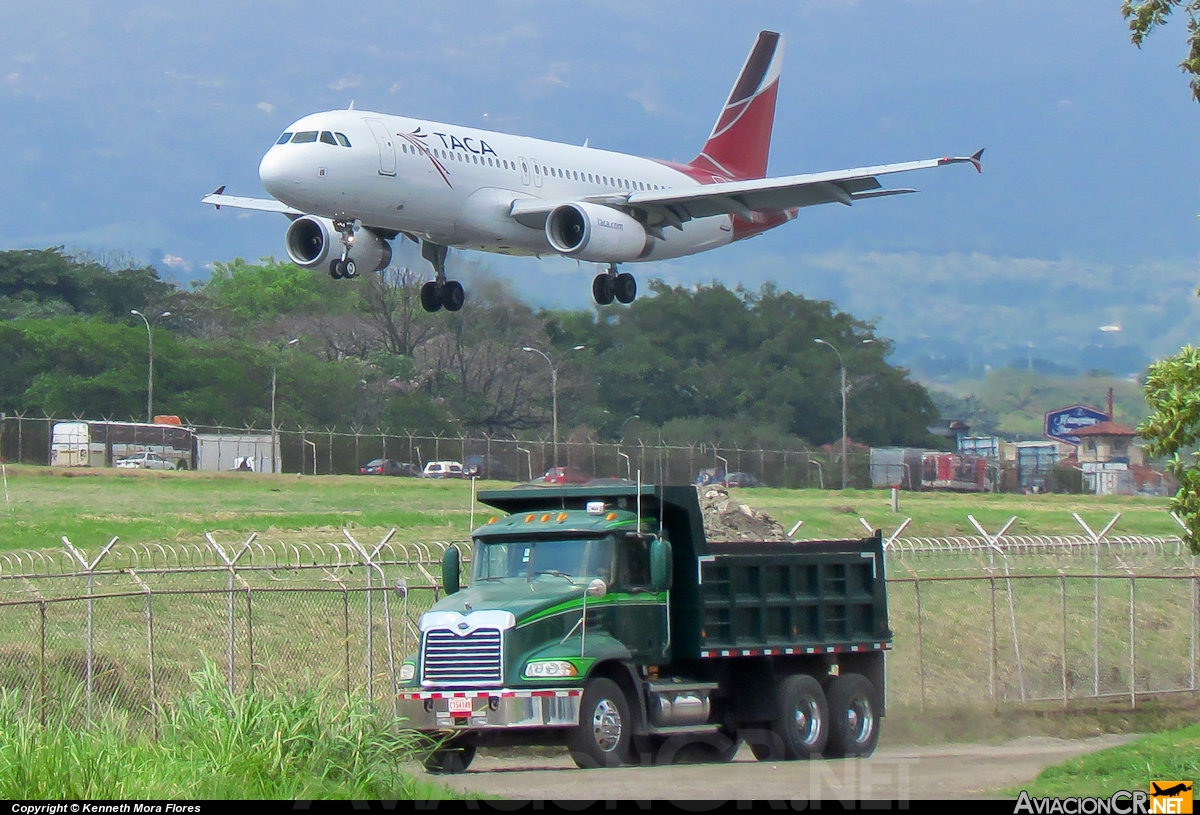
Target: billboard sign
pixel 1061 423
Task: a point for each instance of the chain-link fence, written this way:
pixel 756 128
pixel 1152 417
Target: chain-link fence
pixel 976 623
pixel 128 626
pixel 29 440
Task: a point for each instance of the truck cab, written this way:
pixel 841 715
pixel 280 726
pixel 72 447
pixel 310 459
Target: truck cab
pixel 600 618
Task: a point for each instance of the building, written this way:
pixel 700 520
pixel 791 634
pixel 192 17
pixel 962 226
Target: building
pixel 1107 456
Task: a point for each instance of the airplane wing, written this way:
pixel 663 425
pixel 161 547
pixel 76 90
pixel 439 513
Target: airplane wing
pixel 218 199
pixel 742 198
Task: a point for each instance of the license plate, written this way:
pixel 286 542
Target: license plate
pixel 460 706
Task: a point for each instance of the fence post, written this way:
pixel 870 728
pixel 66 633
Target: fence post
pixel 89 568
pixel 1195 615
pixel 346 635
pixel 994 666
pixel 1132 643
pixel 1063 586
pixel 231 564
pixel 250 632
pixel 920 642
pixel 42 660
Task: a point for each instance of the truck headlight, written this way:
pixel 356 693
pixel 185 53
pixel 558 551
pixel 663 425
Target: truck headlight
pixel 555 668
pixel 407 671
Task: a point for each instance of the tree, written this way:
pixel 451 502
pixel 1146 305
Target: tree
pixel 1173 430
pixel 1144 16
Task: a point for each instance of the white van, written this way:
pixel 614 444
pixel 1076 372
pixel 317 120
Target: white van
pixel 443 469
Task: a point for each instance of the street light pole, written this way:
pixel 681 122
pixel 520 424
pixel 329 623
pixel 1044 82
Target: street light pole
pixel 841 362
pixel 150 375
pixel 553 393
pixel 274 431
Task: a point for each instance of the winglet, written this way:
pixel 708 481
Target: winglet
pixel 974 160
pixel 218 191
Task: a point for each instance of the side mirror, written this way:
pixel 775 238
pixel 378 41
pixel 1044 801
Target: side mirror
pixel 660 565
pixel 597 588
pixel 450 569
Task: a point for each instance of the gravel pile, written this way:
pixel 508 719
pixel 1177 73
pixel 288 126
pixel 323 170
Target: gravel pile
pixel 728 519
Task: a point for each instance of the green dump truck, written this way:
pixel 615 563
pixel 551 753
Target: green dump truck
pixel 601 618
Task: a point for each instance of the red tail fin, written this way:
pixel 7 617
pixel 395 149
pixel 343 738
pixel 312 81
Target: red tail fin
pixel 741 138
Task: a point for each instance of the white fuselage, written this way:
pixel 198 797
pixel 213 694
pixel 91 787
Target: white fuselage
pixel 454 185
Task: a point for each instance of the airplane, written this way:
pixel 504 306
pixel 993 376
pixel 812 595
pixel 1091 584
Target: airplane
pixel 1170 792
pixel 352 181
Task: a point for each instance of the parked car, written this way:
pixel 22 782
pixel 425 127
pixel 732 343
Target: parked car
pixel 443 469
pixel 490 467
pixel 387 466
pixel 566 475
pixel 740 480
pixel 145 461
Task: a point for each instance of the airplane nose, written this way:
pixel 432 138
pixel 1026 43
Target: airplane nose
pixel 273 172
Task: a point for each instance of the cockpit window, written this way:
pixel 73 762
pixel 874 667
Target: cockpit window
pixel 327 138
pixel 304 136
pixel 342 140
pixel 284 138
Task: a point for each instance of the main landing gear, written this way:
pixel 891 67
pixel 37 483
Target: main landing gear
pixel 609 285
pixel 440 293
pixel 344 266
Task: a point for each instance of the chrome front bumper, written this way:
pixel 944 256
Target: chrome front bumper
pixel 499 708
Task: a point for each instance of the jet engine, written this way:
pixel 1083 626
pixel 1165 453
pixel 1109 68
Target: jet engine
pixel 597 233
pixel 311 241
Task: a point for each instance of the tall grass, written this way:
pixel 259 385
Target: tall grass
pixel 212 744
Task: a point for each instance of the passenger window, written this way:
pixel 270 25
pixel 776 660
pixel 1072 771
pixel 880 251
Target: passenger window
pixel 327 138
pixel 304 137
pixel 342 140
pixel 284 138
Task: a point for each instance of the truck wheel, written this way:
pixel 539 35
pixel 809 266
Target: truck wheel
pixel 853 717
pixel 802 717
pixel 605 727
pixel 450 759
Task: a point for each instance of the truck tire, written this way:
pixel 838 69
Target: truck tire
pixel 450 759
pixel 605 727
pixel 853 717
pixel 801 718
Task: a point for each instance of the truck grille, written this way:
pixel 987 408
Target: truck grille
pixel 471 659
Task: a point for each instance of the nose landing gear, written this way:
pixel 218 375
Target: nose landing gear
pixel 440 293
pixel 344 266
pixel 610 285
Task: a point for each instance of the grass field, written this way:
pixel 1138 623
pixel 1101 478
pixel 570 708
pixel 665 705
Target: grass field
pixel 91 506
pixel 1169 756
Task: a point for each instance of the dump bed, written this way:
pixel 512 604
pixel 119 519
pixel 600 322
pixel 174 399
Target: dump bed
pixel 793 597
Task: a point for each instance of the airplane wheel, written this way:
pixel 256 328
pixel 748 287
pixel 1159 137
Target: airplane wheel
pixel 602 290
pixel 431 297
pixel 349 269
pixel 453 295
pixel 625 288
pixel 335 269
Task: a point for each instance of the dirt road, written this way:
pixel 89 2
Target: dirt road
pixel 897 773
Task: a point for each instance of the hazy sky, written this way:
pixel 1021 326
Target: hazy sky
pixel 119 116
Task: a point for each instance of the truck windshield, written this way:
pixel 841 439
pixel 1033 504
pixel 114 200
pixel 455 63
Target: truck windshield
pixel 571 558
